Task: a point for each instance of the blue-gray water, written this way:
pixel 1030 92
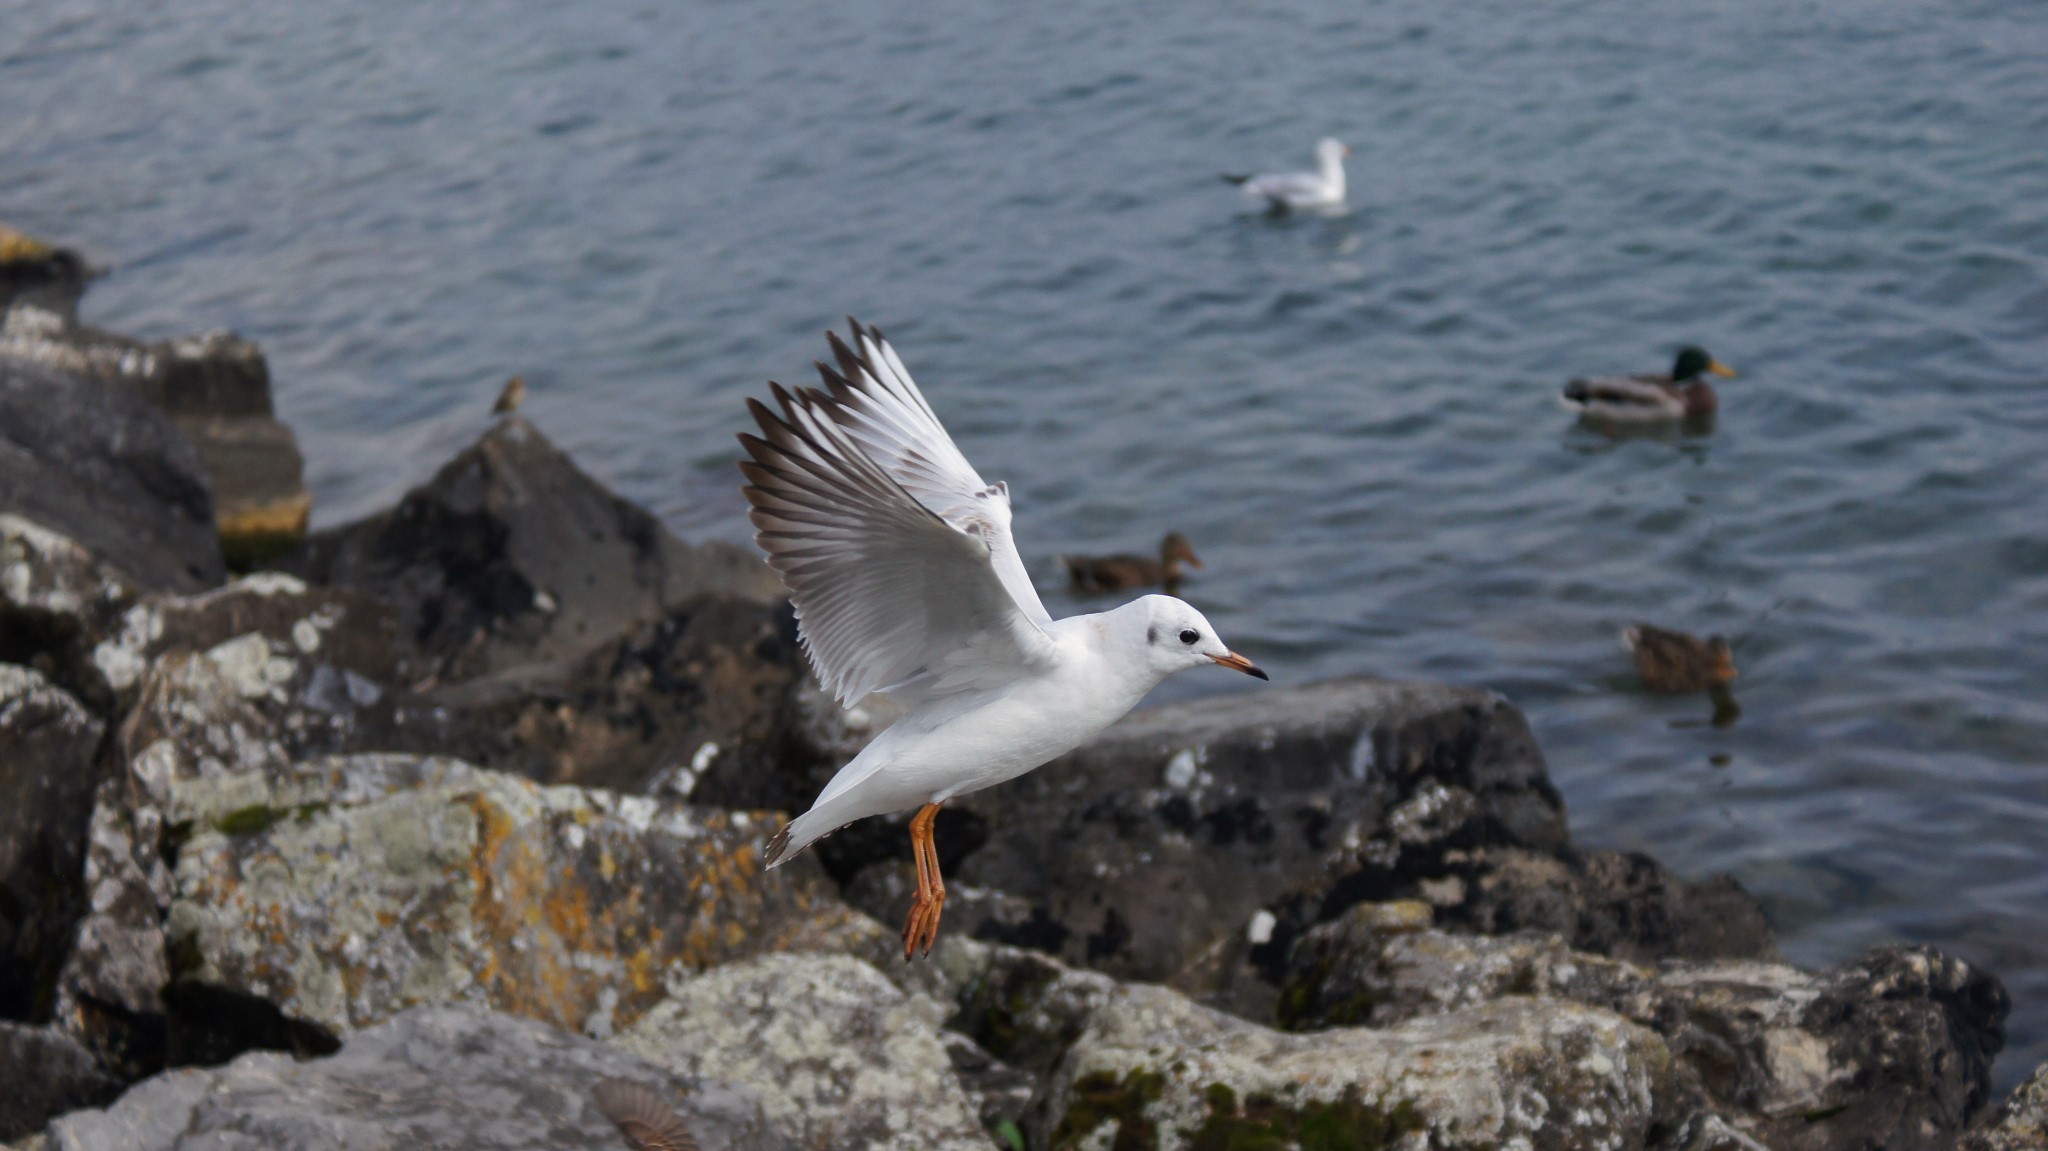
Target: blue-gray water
pixel 648 209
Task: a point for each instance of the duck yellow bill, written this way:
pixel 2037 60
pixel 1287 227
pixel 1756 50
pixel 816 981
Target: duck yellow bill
pixel 1236 662
pixel 1721 369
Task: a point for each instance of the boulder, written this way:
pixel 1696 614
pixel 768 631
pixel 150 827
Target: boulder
pixel 512 556
pixel 343 891
pixel 692 705
pixel 1156 1070
pixel 1893 1049
pixel 101 467
pixel 1192 843
pixel 215 387
pixel 39 275
pixel 49 746
pixel 46 1075
pixel 432 1077
pixel 842 1059
pixel 2021 1122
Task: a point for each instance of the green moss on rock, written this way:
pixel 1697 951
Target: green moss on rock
pixel 1100 1097
pixel 1265 1124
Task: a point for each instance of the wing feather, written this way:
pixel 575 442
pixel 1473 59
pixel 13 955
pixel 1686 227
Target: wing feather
pixel 894 554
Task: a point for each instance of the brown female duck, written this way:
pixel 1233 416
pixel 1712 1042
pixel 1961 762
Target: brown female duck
pixel 1122 572
pixel 1672 661
pixel 1646 397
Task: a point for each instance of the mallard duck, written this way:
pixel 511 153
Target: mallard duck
pixel 510 399
pixel 1672 661
pixel 1300 191
pixel 1647 396
pixel 1122 572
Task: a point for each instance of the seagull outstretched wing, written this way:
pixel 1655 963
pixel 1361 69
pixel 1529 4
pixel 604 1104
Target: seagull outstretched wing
pixel 896 552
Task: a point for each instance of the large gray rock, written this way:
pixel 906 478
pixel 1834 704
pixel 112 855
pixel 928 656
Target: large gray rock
pixel 842 1059
pixel 511 555
pixel 1155 1070
pixel 692 705
pixel 344 891
pixel 215 387
pixel 1890 1050
pixel 441 1078
pixel 105 469
pixel 1191 844
pixel 48 769
pixel 2021 1123
pixel 46 1075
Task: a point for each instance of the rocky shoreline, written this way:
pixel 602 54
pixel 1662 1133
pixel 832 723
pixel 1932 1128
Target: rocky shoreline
pixel 415 832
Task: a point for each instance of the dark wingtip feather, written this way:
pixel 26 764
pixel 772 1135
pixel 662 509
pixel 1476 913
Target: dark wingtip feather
pixel 779 843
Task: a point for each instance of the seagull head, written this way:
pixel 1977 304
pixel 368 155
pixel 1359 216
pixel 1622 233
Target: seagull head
pixel 1331 150
pixel 1178 638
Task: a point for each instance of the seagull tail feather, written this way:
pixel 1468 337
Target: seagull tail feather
pixel 1234 178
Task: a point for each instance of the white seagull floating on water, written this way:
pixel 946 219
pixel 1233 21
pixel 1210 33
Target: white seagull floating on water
pixel 898 557
pixel 1301 191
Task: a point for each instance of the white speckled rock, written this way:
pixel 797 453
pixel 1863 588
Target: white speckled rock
pixel 349 889
pixel 440 1078
pixel 1154 1069
pixel 842 1059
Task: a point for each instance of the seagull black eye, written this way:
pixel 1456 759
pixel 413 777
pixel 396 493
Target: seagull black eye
pixel 1190 635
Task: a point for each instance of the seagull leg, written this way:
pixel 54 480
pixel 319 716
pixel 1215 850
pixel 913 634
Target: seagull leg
pixel 921 928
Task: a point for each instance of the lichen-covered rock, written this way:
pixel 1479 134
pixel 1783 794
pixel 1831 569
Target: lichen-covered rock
pixel 215 387
pixel 842 1059
pixel 48 770
pixel 511 555
pixel 1893 1049
pixel 441 1078
pixel 45 1075
pixel 56 600
pixel 2021 1122
pixel 1155 1070
pixel 103 468
pixel 346 890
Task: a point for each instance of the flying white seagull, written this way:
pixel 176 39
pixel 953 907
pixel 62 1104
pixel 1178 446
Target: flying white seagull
pixel 1302 191
pixel 898 557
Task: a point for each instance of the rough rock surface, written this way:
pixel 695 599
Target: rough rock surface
pixel 45 1075
pixel 441 1078
pixel 48 769
pixel 1191 844
pixel 344 891
pixel 1892 1049
pixel 511 555
pixel 2021 1123
pixel 1156 1070
pixel 215 387
pixel 56 600
pixel 693 705
pixel 842 1059
pixel 103 468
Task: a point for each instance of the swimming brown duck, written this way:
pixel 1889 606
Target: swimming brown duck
pixel 1672 661
pixel 1649 397
pixel 1122 572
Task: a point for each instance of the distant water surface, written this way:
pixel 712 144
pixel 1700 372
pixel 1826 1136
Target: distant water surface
pixel 649 209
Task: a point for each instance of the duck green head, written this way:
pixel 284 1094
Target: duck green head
pixel 1694 360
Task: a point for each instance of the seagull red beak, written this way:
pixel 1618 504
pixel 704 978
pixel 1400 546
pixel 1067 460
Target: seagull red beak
pixel 1236 662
